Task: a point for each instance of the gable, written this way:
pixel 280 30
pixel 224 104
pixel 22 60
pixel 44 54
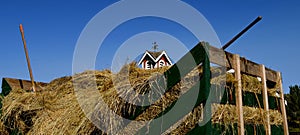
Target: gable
pixel 165 57
pixel 162 58
pixel 146 55
pixel 155 57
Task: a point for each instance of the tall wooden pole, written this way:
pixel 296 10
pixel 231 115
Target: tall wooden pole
pixel 282 105
pixel 265 99
pixel 238 94
pixel 27 57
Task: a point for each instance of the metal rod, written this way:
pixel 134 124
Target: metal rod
pixel 242 32
pixel 27 57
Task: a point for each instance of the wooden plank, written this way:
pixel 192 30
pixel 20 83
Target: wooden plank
pixel 239 100
pixel 282 105
pixel 217 56
pixel 265 99
pixel 23 84
pixel 249 67
pixel 271 75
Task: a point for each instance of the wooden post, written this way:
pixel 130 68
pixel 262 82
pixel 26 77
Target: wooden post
pixel 27 57
pixel 238 94
pixel 265 99
pixel 282 105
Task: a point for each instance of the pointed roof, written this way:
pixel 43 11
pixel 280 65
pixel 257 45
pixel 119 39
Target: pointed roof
pixel 155 56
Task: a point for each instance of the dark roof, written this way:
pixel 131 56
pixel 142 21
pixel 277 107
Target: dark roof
pixel 154 54
pixel 22 84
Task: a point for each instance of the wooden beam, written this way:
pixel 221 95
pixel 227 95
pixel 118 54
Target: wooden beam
pixel 265 99
pixel 271 75
pixel 282 105
pixel 217 56
pixel 238 94
pixel 223 58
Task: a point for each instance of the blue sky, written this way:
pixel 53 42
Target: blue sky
pixel 53 27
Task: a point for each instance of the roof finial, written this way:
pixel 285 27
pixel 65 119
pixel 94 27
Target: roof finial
pixel 155 46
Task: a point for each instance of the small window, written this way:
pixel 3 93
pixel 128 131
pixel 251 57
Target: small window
pixel 148 65
pixel 161 63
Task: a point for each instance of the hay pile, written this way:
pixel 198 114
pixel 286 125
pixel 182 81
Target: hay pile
pixel 226 114
pixel 58 108
pixel 52 111
pixel 252 84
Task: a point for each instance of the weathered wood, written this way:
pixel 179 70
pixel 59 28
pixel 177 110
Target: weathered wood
pixel 271 75
pixel 9 84
pixel 218 56
pixel 238 94
pixel 265 99
pixel 282 105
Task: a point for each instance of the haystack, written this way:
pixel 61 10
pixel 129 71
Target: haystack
pixel 58 108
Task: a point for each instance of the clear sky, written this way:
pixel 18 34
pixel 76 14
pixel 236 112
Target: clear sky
pixel 53 27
